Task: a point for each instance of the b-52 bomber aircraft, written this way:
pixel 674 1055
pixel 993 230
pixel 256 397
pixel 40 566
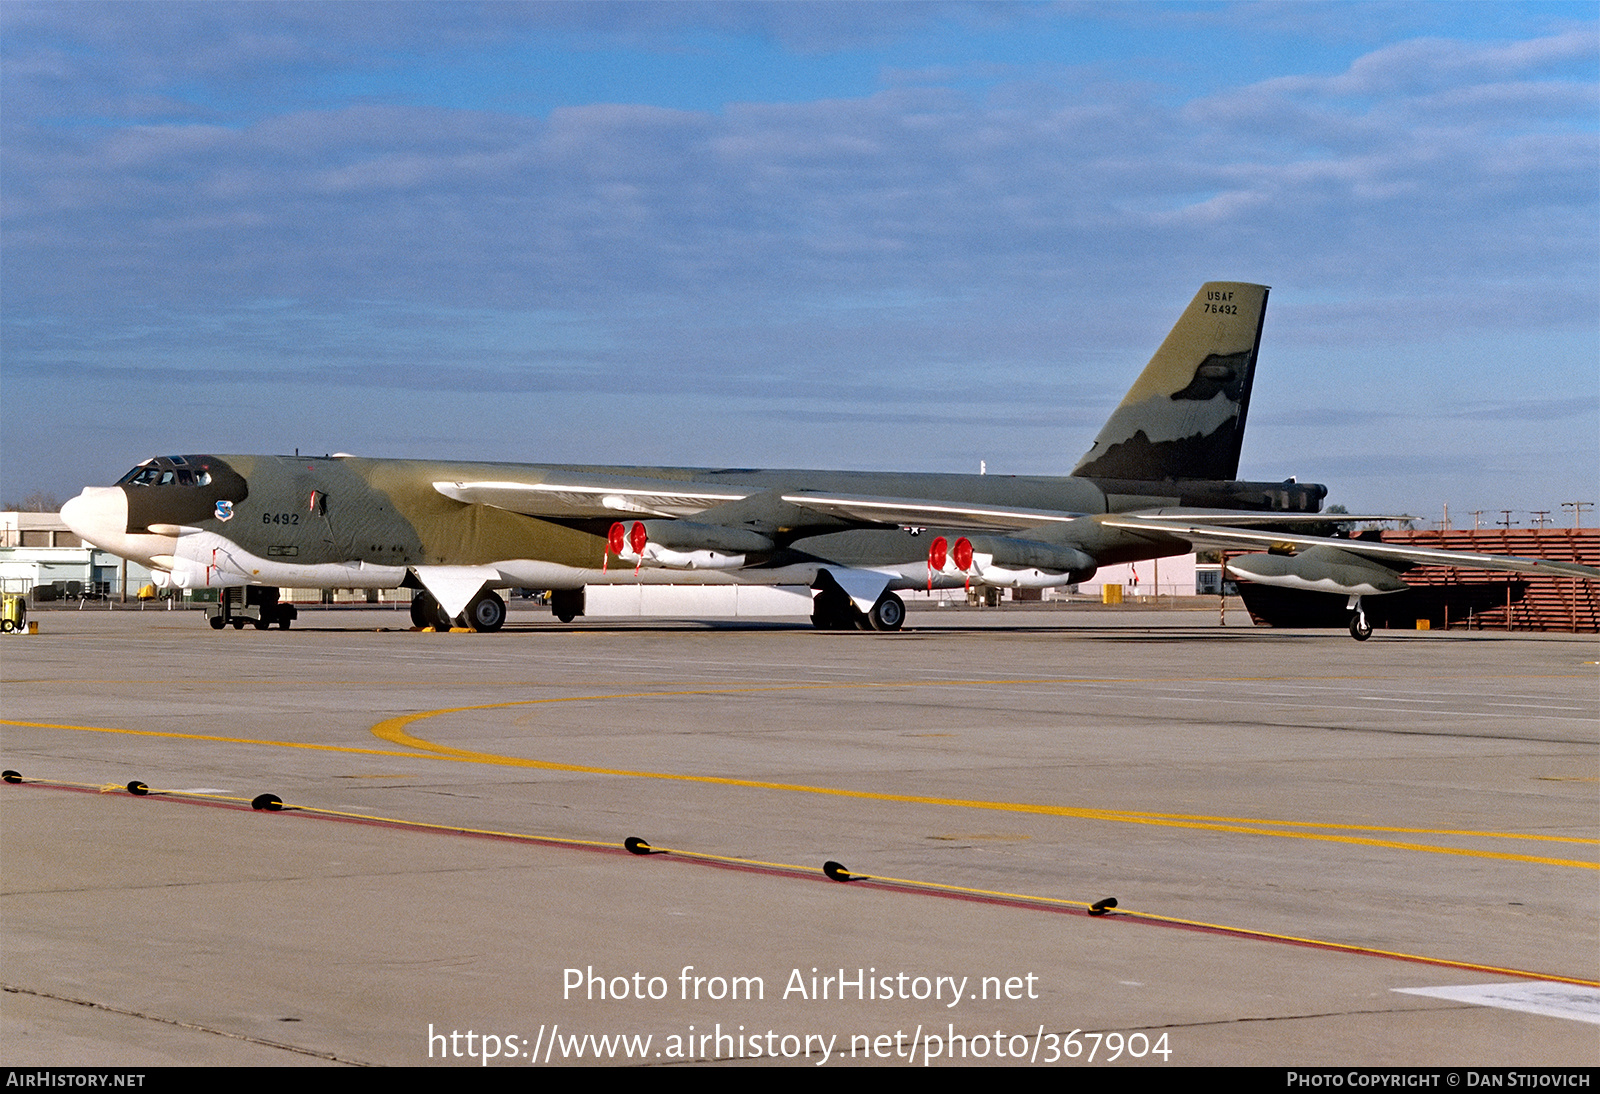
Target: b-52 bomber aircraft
pixel 1158 481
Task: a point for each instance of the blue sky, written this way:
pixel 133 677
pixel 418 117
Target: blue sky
pixel 893 235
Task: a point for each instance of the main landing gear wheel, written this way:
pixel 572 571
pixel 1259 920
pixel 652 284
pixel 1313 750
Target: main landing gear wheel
pixel 888 614
pixel 487 612
pixel 1360 629
pixel 833 611
pixel 425 612
pixel 566 604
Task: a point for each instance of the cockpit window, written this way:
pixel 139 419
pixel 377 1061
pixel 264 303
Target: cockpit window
pixel 155 473
pixel 142 476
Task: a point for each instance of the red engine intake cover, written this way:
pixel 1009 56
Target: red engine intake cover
pixel 963 554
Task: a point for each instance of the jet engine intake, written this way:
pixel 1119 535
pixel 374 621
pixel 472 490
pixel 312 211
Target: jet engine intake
pixel 684 545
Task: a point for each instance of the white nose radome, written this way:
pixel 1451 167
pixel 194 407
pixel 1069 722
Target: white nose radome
pixel 99 516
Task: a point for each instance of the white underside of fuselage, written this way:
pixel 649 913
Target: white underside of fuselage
pixel 205 560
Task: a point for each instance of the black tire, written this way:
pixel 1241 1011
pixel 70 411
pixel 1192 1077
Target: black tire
pixel 833 611
pixel 6 626
pixel 487 612
pixel 888 614
pixel 217 622
pixel 238 624
pixel 425 612
pixel 1360 629
pixel 566 604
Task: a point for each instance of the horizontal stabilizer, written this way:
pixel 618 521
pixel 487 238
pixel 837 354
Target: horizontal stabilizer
pixel 1234 518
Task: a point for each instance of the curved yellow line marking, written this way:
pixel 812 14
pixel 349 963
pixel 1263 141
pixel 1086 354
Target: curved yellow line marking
pixel 395 730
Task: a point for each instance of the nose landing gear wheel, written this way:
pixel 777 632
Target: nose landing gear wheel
pixel 1360 629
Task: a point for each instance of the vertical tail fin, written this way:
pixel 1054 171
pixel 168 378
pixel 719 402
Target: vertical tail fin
pixel 1184 417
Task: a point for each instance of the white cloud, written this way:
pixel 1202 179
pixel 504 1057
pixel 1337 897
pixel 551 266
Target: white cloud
pixel 869 254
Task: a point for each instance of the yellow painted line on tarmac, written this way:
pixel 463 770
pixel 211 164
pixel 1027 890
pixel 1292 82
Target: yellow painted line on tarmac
pixel 395 730
pixel 210 737
pixel 1345 947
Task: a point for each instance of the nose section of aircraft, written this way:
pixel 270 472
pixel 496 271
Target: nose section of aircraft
pixel 99 516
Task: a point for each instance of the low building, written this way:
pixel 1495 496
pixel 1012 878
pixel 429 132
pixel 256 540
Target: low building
pixel 42 559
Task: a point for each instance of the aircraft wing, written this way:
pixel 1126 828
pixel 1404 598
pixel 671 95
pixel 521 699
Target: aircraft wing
pixel 1396 555
pixel 574 496
pixel 920 512
pixel 564 495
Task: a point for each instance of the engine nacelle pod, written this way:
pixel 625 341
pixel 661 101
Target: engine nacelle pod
pixel 668 559
pixel 1004 577
pixel 1009 553
pixel 1321 570
pixel 684 545
pixel 690 536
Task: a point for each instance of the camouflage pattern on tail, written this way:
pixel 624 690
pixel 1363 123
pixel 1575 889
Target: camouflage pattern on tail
pixel 1184 417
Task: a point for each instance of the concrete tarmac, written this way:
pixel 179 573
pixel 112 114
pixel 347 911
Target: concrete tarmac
pixel 1300 832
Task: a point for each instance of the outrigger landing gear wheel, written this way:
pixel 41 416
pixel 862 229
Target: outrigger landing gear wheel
pixel 1360 629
